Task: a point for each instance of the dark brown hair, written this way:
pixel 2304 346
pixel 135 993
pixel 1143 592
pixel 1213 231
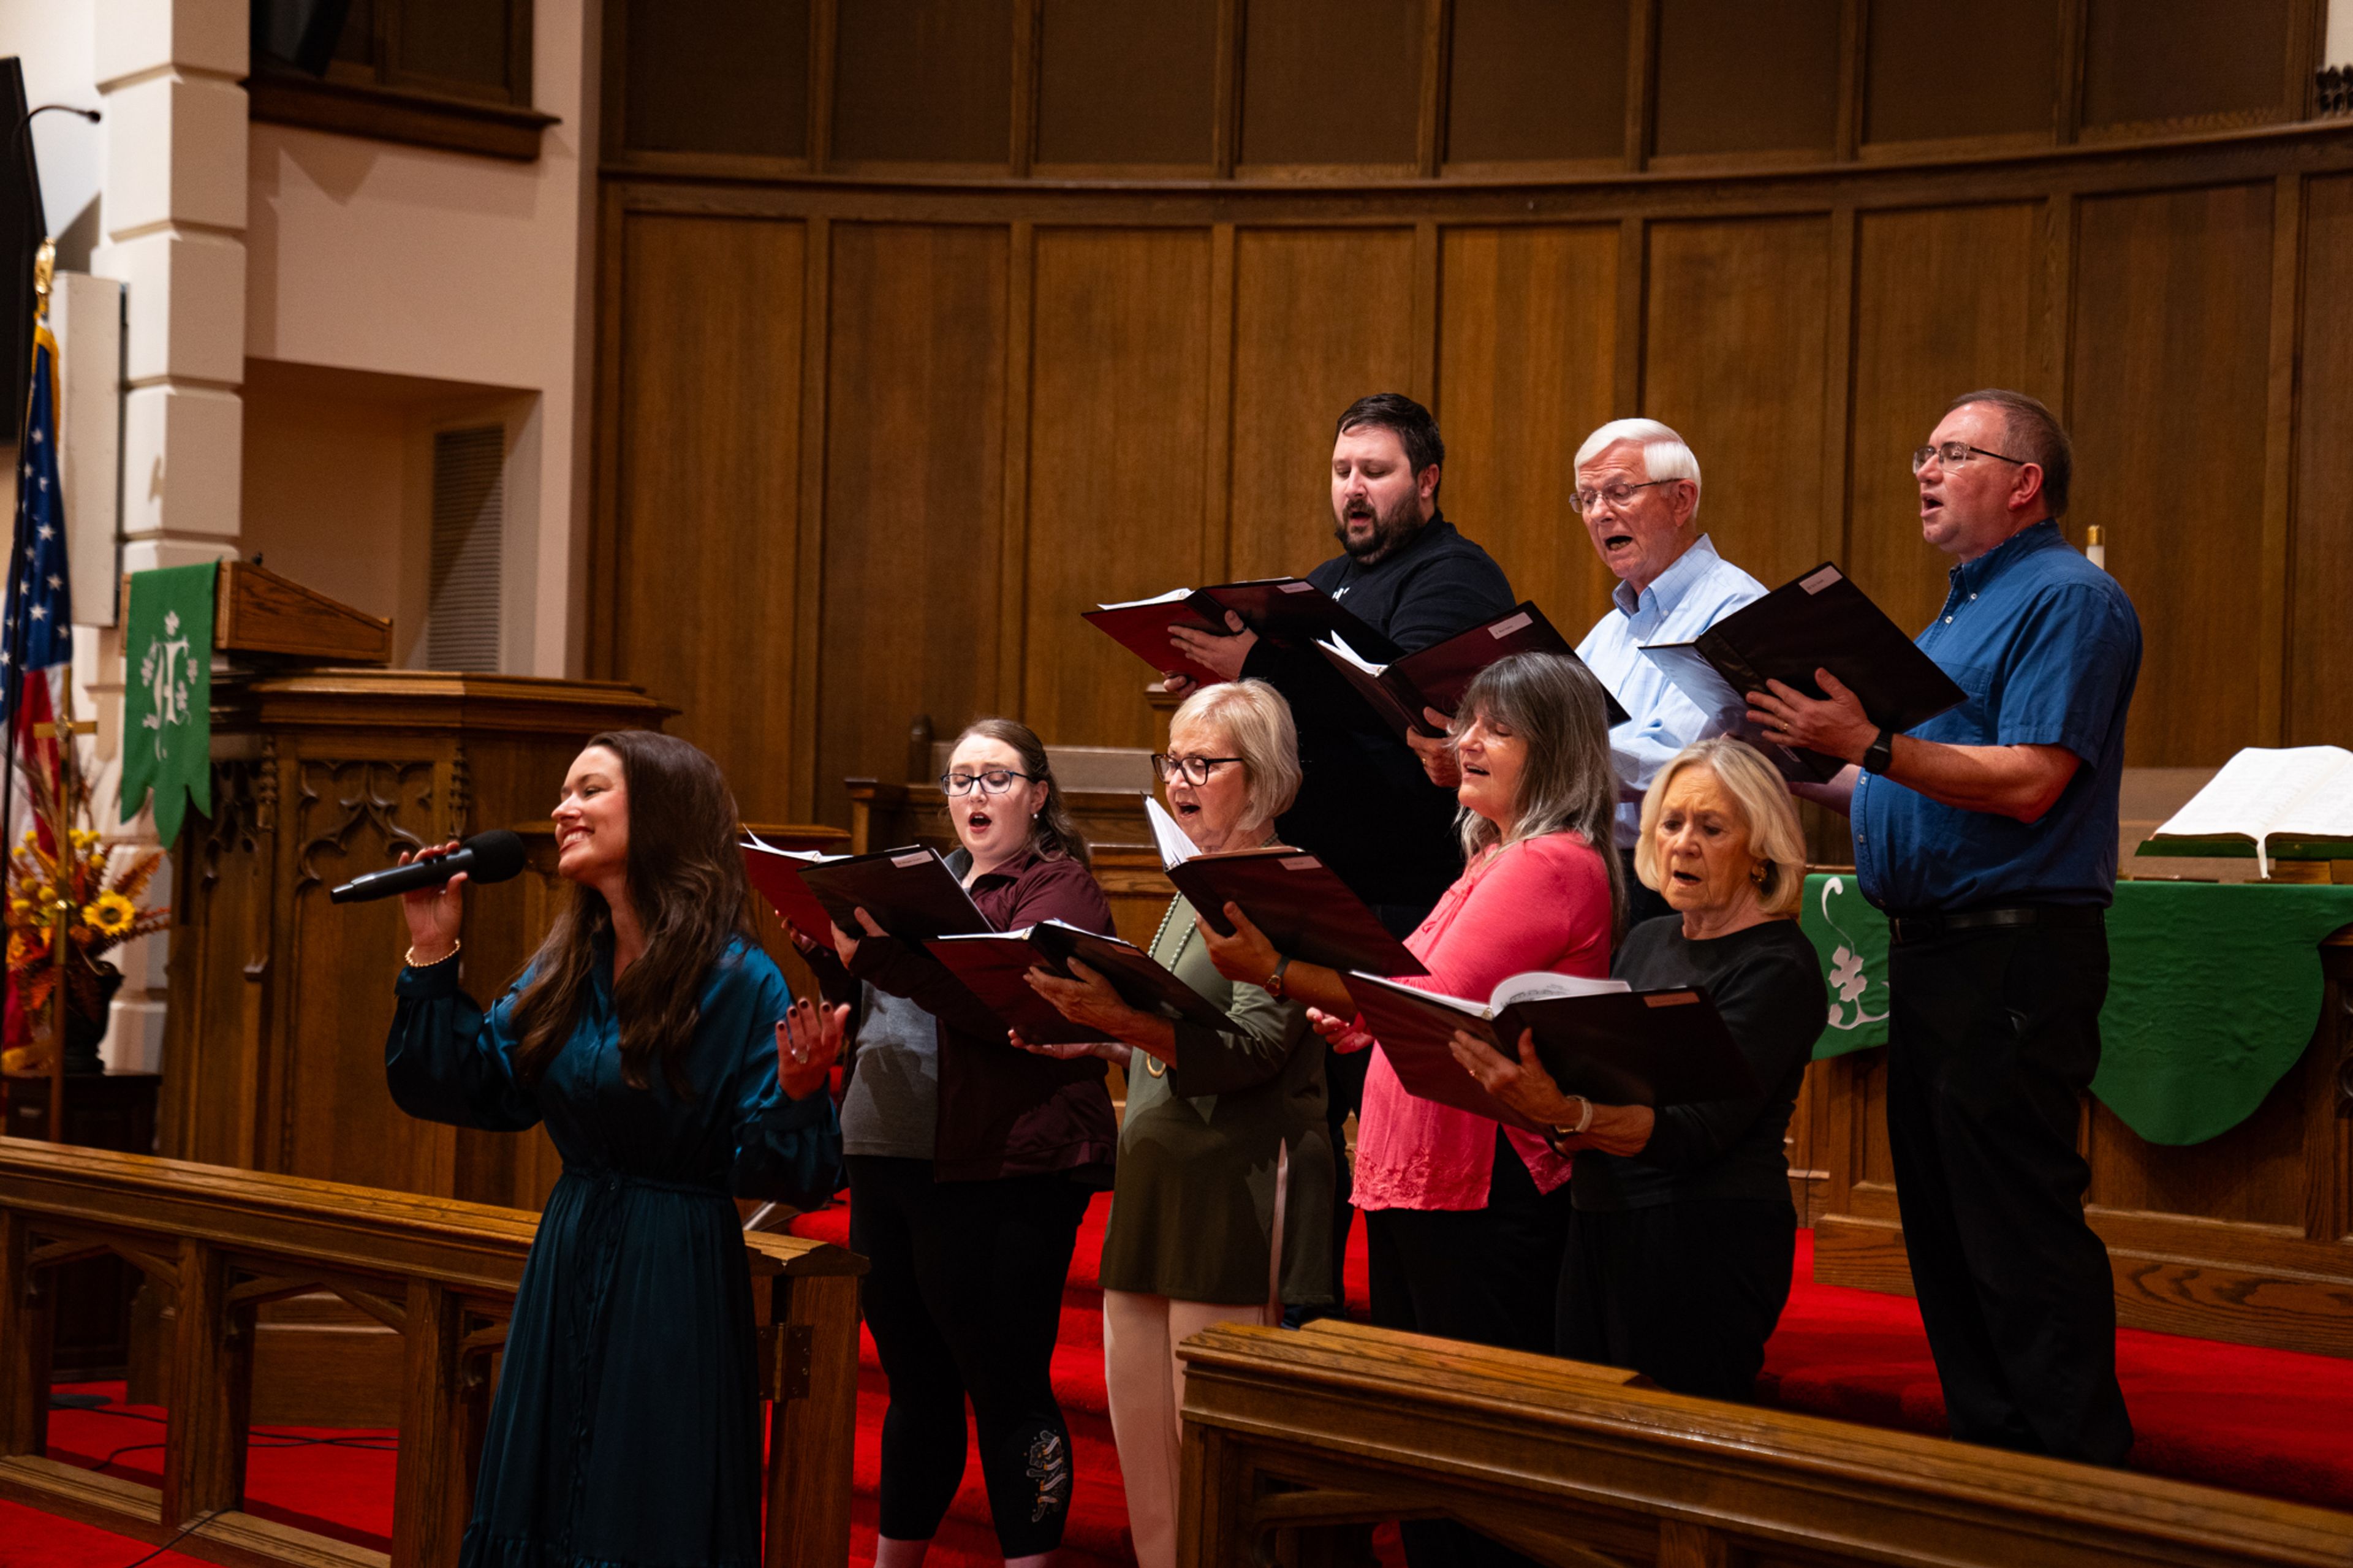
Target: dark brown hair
pixel 1052 830
pixel 2033 432
pixel 1416 431
pixel 686 884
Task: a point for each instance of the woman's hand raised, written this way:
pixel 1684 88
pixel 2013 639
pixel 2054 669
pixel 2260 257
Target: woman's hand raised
pixel 435 915
pixel 808 1039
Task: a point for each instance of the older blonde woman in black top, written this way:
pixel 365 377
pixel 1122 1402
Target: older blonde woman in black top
pixel 1683 1235
pixel 1222 1207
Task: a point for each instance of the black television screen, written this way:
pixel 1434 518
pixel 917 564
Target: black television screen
pixel 22 230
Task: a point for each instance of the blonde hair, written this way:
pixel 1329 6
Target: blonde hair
pixel 1259 727
pixel 1763 803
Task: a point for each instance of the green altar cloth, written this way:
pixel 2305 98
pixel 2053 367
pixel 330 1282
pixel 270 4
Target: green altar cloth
pixel 2214 990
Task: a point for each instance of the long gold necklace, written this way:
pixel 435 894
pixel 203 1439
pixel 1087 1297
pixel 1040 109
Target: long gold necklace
pixel 1153 1064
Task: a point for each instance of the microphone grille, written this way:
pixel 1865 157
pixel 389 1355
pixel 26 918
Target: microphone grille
pixel 498 854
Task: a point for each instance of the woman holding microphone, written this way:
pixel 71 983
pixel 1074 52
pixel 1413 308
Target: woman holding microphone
pixel 1223 1206
pixel 971 1165
pixel 673 1071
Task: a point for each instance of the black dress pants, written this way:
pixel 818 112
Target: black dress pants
pixel 1993 1036
pixel 1485 1275
pixel 1685 1294
pixel 964 1294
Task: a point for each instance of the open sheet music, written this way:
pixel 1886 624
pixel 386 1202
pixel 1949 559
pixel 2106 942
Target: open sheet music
pixel 910 892
pixel 993 966
pixel 2300 793
pixel 1290 610
pixel 1439 674
pixel 777 873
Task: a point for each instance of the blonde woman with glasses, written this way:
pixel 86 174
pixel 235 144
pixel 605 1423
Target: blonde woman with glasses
pixel 1222 1209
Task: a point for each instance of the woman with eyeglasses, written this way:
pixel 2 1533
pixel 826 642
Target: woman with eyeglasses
pixel 971 1165
pixel 1223 1209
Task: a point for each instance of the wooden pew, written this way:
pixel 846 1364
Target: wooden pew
pixel 439 1272
pixel 1293 1438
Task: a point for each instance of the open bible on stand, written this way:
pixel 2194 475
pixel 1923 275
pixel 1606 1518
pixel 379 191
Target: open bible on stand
pixel 1439 674
pixel 1819 621
pixel 993 965
pixel 2293 804
pixel 1595 1038
pixel 1282 609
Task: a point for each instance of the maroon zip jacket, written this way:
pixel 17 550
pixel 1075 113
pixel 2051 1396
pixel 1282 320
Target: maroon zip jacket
pixel 1004 1112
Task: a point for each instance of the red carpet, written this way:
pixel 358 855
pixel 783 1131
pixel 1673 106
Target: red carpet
pixel 2272 1422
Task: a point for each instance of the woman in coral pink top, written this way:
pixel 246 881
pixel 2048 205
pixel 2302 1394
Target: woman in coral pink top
pixel 1465 1219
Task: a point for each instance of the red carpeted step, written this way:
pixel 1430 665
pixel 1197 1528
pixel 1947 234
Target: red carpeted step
pixel 37 1540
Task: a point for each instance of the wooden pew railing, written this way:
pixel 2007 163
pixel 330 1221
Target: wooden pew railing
pixel 1294 1439
pixel 441 1273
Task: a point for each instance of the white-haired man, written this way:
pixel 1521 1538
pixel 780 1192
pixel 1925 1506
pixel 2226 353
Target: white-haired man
pixel 1638 489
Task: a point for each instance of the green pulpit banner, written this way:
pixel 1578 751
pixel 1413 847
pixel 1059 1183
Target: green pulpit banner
pixel 2214 990
pixel 167 704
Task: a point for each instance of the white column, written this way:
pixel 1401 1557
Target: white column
pixel 173 219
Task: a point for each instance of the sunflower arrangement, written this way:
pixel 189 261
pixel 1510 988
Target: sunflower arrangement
pixel 98 887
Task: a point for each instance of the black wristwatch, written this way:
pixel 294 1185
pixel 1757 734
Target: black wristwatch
pixel 1880 755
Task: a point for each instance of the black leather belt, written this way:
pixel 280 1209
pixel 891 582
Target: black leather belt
pixel 1930 925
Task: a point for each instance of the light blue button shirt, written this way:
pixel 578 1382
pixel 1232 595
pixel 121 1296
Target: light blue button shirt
pixel 1698 590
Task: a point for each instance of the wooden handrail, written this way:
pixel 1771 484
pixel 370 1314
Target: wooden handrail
pixel 1339 1425
pixel 223 1241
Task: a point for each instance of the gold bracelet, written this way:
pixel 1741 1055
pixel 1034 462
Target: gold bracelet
pixel 409 958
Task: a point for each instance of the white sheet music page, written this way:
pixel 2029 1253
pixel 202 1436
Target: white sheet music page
pixel 2263 790
pixel 1173 846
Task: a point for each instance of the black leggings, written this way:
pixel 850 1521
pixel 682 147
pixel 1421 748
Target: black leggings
pixel 964 1294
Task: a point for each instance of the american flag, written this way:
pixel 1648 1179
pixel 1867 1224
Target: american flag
pixel 38 593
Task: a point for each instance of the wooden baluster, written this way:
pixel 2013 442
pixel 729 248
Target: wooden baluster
pixel 813 1424
pixel 212 1387
pixel 28 1331
pixel 429 1482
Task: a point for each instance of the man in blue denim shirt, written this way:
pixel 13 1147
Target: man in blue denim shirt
pixel 1990 836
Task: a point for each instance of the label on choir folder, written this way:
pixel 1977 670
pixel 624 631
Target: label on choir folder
pixel 1301 863
pixel 1820 579
pixel 910 859
pixel 1502 629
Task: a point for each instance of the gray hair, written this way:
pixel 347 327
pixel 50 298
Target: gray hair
pixel 1258 726
pixel 1664 453
pixel 1557 706
pixel 1763 802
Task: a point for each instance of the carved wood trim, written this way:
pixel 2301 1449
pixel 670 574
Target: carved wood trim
pixel 372 792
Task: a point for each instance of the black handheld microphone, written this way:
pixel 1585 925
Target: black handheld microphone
pixel 491 857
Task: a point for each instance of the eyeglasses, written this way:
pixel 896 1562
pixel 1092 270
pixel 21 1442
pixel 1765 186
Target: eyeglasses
pixel 1617 494
pixel 1196 770
pixel 1953 454
pixel 996 781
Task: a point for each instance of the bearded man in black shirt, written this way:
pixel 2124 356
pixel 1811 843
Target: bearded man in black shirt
pixel 1365 806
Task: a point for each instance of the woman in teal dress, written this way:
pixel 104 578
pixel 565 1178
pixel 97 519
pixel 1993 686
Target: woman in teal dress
pixel 673 1071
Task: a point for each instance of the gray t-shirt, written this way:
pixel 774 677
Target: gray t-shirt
pixel 893 1108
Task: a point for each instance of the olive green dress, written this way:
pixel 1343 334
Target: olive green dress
pixel 1192 1214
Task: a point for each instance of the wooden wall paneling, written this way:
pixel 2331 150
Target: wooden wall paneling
pixel 1225 92
pixel 1119 410
pixel 1427 325
pixel 824 59
pixel 1127 86
pixel 1924 81
pixel 2251 1174
pixel 2170 382
pixel 913 474
pixel 1301 112
pixel 2051 303
pixel 2272 650
pixel 734 83
pixel 2067 114
pixel 2318 701
pixel 1218 451
pixel 1321 317
pixel 598 651
pixel 1534 82
pixel 1735 358
pixel 706 528
pixel 2210 61
pixel 1941 307
pixel 1633 316
pixel 1024 132
pixel 816 362
pixel 1733 80
pixel 1846 128
pixel 1012 541
pixel 1641 78
pixel 1529 361
pixel 1834 521
pixel 1430 125
pixel 927 83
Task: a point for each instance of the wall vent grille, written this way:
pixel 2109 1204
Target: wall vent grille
pixel 469 545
